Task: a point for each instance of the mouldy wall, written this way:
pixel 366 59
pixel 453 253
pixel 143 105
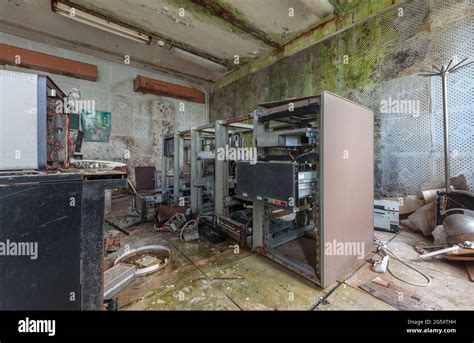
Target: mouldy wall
pixel 139 121
pixel 383 57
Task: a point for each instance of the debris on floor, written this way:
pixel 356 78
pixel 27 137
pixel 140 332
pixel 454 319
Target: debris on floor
pixel 175 223
pixel 146 259
pixel 378 280
pixel 439 235
pixel 397 297
pixel 112 241
pixel 409 204
pixel 165 213
pixel 380 264
pixel 429 189
pixel 459 251
pixel 459 227
pixel 470 269
pixel 423 219
pixel 211 235
pixel 124 222
pixel 189 232
pixel 118 278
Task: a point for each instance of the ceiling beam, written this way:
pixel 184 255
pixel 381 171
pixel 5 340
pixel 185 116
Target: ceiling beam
pixel 224 12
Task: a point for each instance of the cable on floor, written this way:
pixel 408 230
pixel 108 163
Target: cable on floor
pixel 386 251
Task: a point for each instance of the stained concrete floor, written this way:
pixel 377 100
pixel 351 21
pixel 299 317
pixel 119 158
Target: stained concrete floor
pixel 205 276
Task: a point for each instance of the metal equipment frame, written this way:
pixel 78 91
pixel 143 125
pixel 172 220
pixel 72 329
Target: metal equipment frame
pixel 198 155
pixel 344 189
pixel 224 129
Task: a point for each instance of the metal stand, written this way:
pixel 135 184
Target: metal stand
pixel 443 72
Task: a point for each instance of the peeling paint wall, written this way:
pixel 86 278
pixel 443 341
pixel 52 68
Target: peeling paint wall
pixel 139 121
pixel 374 62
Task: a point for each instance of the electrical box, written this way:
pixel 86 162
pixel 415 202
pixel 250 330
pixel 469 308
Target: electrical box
pixel 22 121
pixel 35 123
pixel 386 215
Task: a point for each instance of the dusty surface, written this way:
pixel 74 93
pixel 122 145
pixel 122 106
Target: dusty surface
pixel 205 276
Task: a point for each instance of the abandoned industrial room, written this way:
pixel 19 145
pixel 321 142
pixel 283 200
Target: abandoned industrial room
pixel 310 155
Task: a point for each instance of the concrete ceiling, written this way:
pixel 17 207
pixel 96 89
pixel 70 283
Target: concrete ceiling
pixel 214 30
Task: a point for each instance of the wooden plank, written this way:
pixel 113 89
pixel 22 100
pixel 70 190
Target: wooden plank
pixel 379 281
pixel 151 86
pixel 398 297
pixel 470 269
pixel 345 297
pixel 52 64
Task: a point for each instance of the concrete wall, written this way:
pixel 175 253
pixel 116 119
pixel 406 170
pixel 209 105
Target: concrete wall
pixel 375 62
pixel 138 121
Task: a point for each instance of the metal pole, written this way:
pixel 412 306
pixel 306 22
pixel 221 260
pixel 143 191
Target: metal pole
pixel 443 72
pixel 221 170
pixel 444 78
pixel 177 168
pixel 195 176
pixel 259 222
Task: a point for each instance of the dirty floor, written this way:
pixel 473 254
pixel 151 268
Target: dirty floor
pixel 205 276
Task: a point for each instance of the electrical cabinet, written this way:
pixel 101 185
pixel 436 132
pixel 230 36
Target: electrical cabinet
pixel 312 187
pixel 51 239
pixel 38 129
pixel 40 237
pixel 22 121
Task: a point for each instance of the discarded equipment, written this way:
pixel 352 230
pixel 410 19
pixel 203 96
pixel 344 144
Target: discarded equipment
pixel 117 279
pixel 112 242
pixel 465 248
pixel 146 259
pixel 386 215
pixel 189 232
pixel 310 184
pixel 176 222
pixel 166 212
pixel 380 264
pixel 459 226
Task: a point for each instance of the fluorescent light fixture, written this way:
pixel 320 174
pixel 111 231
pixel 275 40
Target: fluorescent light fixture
pixel 99 23
pixel 198 59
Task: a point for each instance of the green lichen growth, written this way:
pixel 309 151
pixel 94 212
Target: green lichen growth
pixel 329 70
pixel 344 6
pixel 206 15
pixel 359 8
